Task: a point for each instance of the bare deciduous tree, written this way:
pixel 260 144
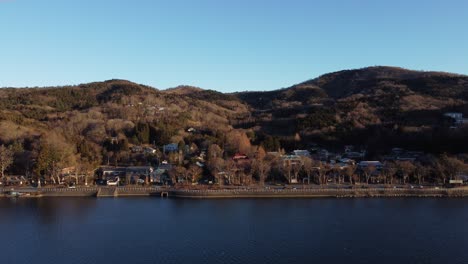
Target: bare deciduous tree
pixel 368 171
pixel 54 155
pixel 420 172
pixel 448 168
pixel 6 159
pixel 388 171
pixel 405 168
pixel 176 172
pixel 308 167
pixel 349 171
pixel 195 173
pixel 261 165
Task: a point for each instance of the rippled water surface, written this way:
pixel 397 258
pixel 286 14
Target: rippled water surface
pixel 154 230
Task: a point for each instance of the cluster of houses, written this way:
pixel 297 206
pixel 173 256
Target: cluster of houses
pixel 399 154
pixel 458 120
pixel 350 157
pixel 158 174
pixel 13 180
pixel 172 147
pixel 136 174
pixel 145 150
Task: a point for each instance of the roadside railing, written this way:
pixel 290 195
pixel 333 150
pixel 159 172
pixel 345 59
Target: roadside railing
pixel 339 191
pixel 246 191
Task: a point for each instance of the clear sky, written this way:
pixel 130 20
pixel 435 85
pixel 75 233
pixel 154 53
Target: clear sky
pixel 224 45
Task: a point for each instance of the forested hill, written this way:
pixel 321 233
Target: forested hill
pixel 377 107
pixel 372 81
pixel 117 100
pixel 383 104
pixel 101 120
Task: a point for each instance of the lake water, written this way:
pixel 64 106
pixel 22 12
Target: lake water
pixel 155 230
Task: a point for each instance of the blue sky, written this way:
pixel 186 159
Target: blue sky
pixel 224 45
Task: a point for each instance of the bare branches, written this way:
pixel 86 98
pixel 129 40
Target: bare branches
pixel 6 159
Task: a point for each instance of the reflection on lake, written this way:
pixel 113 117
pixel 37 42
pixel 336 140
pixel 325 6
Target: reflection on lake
pixel 154 230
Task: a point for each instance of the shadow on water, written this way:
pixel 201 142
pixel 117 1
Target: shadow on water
pixel 46 211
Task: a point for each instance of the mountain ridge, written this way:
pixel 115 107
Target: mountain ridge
pixel 336 108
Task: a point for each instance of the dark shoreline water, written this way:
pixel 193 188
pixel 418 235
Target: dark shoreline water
pixel 150 230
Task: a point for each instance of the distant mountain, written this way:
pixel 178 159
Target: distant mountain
pixel 366 81
pixel 338 105
pixel 364 106
pixel 100 106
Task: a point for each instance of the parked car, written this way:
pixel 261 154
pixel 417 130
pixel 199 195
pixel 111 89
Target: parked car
pixel 114 182
pixel 14 180
pixel 141 181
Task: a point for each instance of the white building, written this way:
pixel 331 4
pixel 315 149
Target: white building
pixel 301 153
pixel 457 117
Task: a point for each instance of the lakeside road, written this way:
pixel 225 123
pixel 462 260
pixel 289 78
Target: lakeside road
pixel 198 193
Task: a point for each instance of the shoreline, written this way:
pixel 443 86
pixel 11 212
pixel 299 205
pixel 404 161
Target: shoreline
pixel 101 192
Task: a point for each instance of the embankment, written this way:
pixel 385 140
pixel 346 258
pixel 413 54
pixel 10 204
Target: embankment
pixel 317 193
pixel 232 193
pixel 80 192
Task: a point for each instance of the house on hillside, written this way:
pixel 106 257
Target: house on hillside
pixel 370 163
pixel 137 149
pixel 301 153
pixel 274 153
pixel 240 156
pixel 135 173
pixel 241 160
pixel 346 161
pixel 323 154
pixel 161 174
pixel 107 173
pixel 173 147
pixel 355 155
pixel 292 159
pixel 458 119
pixel 149 150
pixel 13 180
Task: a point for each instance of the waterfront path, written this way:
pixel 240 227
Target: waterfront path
pixel 106 191
pixel 321 192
